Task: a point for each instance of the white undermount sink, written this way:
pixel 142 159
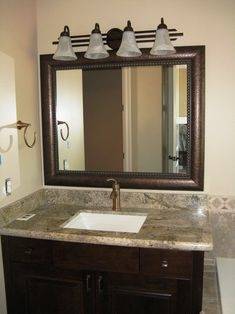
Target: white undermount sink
pixel 107 222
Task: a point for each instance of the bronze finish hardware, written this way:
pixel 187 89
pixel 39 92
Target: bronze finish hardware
pixel 23 125
pixel 113 37
pixel 64 138
pixel 100 285
pixel 18 125
pixel 164 264
pixel 115 194
pixel 174 158
pixel 88 283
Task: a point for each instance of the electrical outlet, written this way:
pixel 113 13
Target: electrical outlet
pixel 26 217
pixel 65 164
pixel 8 186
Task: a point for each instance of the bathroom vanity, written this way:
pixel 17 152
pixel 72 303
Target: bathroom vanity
pixel 58 277
pixel 52 269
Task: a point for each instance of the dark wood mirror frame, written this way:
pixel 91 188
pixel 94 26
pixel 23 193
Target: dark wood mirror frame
pixel 194 57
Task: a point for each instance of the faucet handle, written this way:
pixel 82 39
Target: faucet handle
pixel 114 181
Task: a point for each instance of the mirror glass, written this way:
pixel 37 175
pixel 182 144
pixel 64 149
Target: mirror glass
pixel 130 119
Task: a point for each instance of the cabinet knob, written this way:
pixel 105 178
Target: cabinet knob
pixel 174 158
pixel 164 264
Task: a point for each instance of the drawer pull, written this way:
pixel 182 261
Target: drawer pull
pixel 100 285
pixel 164 264
pixel 28 251
pixel 88 283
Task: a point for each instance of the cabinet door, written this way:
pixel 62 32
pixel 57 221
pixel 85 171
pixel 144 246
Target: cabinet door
pixel 43 292
pixel 140 295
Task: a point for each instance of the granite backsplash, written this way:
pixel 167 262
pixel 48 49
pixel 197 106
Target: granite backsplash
pixel 99 198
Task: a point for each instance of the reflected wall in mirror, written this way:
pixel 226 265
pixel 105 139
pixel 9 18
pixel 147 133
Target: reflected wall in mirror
pixel 130 119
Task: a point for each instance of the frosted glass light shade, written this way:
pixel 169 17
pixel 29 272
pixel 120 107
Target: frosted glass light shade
pixel 64 50
pixel 128 46
pixel 96 48
pixel 162 44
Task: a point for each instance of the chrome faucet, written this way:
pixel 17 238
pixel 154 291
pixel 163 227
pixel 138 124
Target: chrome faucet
pixel 115 194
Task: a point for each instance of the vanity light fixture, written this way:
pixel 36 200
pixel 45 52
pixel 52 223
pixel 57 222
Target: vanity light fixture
pixel 64 50
pixel 125 43
pixel 128 46
pixel 96 48
pixel 162 44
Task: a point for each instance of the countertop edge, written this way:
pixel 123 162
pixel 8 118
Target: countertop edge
pixel 89 239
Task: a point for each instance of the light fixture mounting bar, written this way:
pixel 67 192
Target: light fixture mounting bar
pixel 144 36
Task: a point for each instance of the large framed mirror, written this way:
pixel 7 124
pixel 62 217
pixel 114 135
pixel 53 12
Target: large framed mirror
pixel 139 120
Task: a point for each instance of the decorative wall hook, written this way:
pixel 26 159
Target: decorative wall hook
pixel 23 125
pixel 64 138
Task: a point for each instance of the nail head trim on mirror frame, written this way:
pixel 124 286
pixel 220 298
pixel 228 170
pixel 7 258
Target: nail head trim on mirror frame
pixel 194 57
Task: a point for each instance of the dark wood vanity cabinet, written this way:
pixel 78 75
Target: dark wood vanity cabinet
pixel 140 294
pixel 36 290
pixel 49 277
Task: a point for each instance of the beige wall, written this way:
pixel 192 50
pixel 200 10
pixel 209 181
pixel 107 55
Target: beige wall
pixel 9 147
pixel 209 23
pixel 18 40
pixel 70 109
pixel 182 92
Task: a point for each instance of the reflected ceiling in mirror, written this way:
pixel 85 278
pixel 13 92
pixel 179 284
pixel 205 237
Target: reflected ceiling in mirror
pixel 129 119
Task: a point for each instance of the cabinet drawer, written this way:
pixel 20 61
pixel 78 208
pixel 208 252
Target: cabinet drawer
pixel 96 257
pixel 166 263
pixel 30 251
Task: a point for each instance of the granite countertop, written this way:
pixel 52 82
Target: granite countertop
pixel 172 228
